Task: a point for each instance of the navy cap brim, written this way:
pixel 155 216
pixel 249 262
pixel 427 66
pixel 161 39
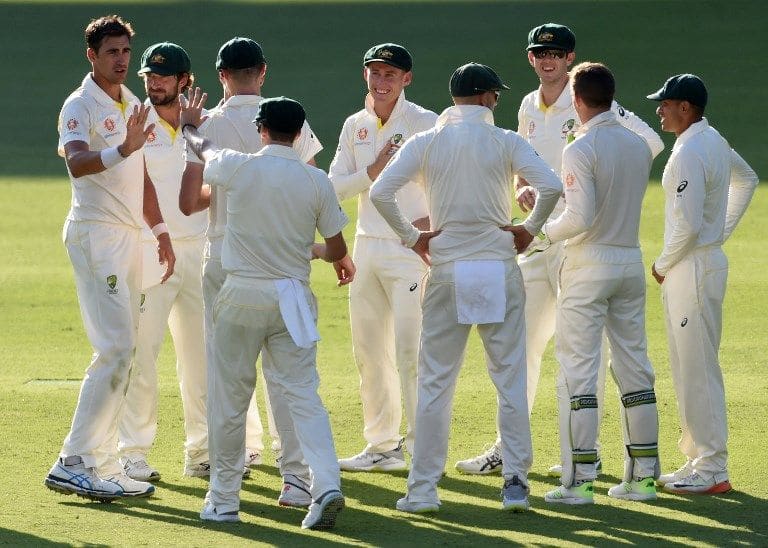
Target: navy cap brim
pixel 162 71
pixel 545 46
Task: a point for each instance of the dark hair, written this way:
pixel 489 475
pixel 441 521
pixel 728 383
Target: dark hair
pixel 190 81
pixel 246 75
pixel 594 84
pixel 281 136
pixel 109 25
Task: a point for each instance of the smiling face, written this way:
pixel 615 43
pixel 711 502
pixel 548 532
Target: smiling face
pixel 550 68
pixel 110 61
pixel 385 82
pixel 671 112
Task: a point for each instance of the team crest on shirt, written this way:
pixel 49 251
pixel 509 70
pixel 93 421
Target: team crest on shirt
pixel 72 124
pixel 397 138
pixel 109 124
pixel 362 134
pixel 112 284
pixel 151 137
pixel 531 128
pixel 568 130
pixel 570 180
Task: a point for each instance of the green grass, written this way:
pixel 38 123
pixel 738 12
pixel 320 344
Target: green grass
pixel 42 338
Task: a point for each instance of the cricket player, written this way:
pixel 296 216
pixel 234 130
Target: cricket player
pixel 466 166
pixel 177 303
pixel 602 288
pixel 547 120
pixel 384 301
pixel 266 301
pixel 101 135
pixel 242 68
pixel 708 187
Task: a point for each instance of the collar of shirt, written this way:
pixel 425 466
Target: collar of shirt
pixel 395 111
pixel 237 100
pixel 602 119
pixel 564 100
pixel 281 151
pixel 465 113
pixel 692 130
pixel 101 97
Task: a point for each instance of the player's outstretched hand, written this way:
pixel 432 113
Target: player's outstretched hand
pixel 192 108
pixel 345 270
pixel 421 247
pixel 166 255
pixel 523 238
pixel 526 198
pixel 136 134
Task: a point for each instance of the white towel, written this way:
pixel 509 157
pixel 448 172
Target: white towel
pixel 296 312
pixel 480 293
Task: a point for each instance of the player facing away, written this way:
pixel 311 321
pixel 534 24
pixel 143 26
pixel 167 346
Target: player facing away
pixel 602 289
pixel 707 187
pixel 101 135
pixel 547 120
pixel 466 166
pixel 266 302
pixel 384 301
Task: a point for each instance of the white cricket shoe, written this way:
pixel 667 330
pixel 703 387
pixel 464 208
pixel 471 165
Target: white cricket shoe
pixel 405 505
pixel 584 493
pixel 637 489
pixel 698 484
pixel 514 495
pixel 131 487
pixel 388 461
pixel 488 462
pixel 70 476
pixel 140 470
pixel 252 458
pixel 209 513
pixel 556 471
pixel 295 492
pixel 684 471
pixel 323 512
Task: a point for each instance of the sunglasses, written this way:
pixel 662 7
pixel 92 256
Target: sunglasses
pixel 551 53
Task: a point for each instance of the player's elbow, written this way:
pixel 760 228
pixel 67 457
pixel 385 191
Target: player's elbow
pixel 335 248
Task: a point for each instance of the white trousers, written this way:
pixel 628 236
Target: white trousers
pixel 385 317
pixel 106 259
pixel 443 343
pixel 693 293
pixel 602 289
pixel 247 318
pixel 178 303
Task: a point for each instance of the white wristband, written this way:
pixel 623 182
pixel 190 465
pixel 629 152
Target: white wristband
pixel 158 229
pixel 110 157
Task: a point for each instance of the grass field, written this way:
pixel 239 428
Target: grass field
pixel 314 51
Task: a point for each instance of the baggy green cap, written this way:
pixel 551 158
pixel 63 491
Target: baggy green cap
pixel 551 36
pixel 165 59
pixel 474 79
pixel 683 87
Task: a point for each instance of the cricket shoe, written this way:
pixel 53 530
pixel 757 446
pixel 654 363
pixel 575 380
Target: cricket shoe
pixel 203 470
pixel 131 487
pixel 696 484
pixel 323 512
pixel 405 505
pixel 486 463
pixel 388 461
pixel 556 471
pixel 584 493
pixel 252 458
pixel 139 470
pixel 682 472
pixel 295 492
pixel 514 495
pixel 637 489
pixel 209 513
pixel 70 476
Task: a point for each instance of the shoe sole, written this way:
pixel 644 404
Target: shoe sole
pixel 221 519
pixel 634 496
pixel 69 489
pixel 291 504
pixel 496 470
pixel 150 479
pixel 376 468
pixel 330 511
pixel 515 506
pixel 427 510
pixel 570 502
pixel 718 488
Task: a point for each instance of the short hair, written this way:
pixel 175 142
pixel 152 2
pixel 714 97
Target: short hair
pixel 108 25
pixel 281 136
pixel 190 81
pixel 594 84
pixel 246 75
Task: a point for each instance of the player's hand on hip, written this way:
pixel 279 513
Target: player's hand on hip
pixel 345 270
pixel 136 134
pixel 522 237
pixel 526 198
pixel 421 247
pixel 166 255
pixel 192 108
pixel 656 276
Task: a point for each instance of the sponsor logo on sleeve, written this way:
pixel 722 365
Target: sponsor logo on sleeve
pixel 681 186
pixel 72 124
pixel 684 322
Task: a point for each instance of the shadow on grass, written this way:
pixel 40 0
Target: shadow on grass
pixel 17 538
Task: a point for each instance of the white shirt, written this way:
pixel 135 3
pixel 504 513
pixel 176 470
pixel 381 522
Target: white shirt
pixel 549 129
pixel 164 155
pixel 231 126
pixel 605 175
pixel 360 142
pixel 699 190
pixel 466 165
pixel 115 195
pixel 275 202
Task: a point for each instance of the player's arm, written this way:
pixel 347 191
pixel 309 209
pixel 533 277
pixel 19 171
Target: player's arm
pixel 81 160
pixel 636 124
pixel 331 219
pixel 524 192
pixel 194 196
pixel 742 187
pixel 154 219
pixel 579 214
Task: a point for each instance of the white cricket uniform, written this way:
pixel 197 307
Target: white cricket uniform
pixel 177 304
pixel 275 202
pixel 602 288
pixel 548 129
pixel 230 125
pixel 708 187
pixel 101 234
pixel 385 300
pixel 466 165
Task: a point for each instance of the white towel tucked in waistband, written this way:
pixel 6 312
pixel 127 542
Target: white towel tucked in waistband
pixel 480 293
pixel 296 312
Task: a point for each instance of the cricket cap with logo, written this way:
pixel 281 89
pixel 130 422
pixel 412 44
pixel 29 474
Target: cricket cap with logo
pixel 551 36
pixel 165 59
pixel 240 53
pixel 391 54
pixel 281 114
pixel 474 79
pixel 683 87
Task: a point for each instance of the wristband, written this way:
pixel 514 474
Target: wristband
pixel 185 127
pixel 158 229
pixel 110 157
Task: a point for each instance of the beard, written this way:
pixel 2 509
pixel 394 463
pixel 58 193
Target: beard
pixel 162 99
